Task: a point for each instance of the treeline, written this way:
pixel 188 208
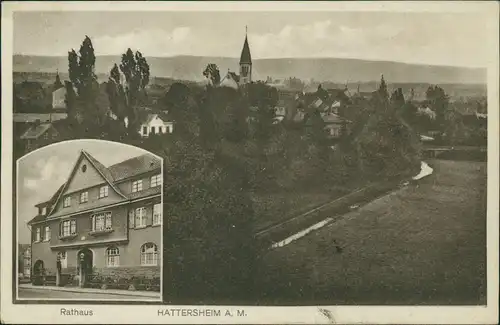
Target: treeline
pixel 438 117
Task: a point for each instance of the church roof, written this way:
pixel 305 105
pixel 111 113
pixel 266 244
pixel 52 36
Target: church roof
pixel 245 53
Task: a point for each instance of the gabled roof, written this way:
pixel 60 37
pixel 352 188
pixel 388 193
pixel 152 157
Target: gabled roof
pixel 37 218
pixel 100 169
pixel 245 53
pixel 233 76
pixel 231 80
pixel 112 174
pixel 152 116
pixel 53 198
pixel 333 119
pixel 35 131
pixel 42 117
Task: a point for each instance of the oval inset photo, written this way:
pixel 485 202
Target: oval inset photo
pixel 89 222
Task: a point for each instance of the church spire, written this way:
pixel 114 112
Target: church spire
pixel 245 62
pixel 246 57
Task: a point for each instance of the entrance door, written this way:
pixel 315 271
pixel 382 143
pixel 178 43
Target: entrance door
pixel 85 262
pixel 38 271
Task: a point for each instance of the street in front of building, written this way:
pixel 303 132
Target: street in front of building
pixel 52 293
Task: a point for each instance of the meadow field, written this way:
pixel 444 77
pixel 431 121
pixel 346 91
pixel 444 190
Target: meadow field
pixel 424 244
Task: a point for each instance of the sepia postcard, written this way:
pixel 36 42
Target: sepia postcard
pixel 250 162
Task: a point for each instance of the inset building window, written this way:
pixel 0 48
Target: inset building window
pixel 47 233
pixel 149 254
pixel 101 221
pixel 112 257
pixel 84 197
pixel 156 180
pixel 67 201
pixel 38 234
pixel 63 258
pixel 140 217
pixel 67 228
pixel 137 186
pixel 157 214
pixel 103 191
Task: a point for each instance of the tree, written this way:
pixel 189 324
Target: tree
pixel 132 94
pixel 262 101
pixel 211 247
pixel 83 84
pixel 116 94
pixel 438 102
pixel 385 145
pixel 182 107
pixel 398 99
pixel 212 73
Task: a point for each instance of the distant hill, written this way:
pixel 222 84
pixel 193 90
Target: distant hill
pixel 326 69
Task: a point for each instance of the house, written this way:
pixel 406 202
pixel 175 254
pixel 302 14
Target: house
pixel 101 220
pixel 59 99
pixel 426 111
pixel 231 80
pixel 39 135
pixel 334 124
pixel 154 124
pixel 24 266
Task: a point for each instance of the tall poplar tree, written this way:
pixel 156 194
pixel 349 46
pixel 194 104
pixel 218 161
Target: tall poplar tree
pixel 83 89
pixel 129 95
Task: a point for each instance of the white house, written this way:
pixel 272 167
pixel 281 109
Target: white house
pixel 155 125
pixel 59 98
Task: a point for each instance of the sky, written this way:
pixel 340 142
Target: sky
pixel 43 171
pixel 428 38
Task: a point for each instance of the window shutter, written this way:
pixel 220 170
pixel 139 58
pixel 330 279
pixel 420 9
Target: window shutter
pixel 149 215
pixel 131 218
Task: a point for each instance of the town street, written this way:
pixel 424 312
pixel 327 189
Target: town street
pixel 33 293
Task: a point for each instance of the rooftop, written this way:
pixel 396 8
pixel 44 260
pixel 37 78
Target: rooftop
pixel 35 131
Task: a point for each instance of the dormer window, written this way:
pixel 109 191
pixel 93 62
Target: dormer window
pixel 67 201
pixel 137 186
pixel 44 210
pixel 156 180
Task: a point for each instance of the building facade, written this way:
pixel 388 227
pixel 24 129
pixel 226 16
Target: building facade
pixel 102 221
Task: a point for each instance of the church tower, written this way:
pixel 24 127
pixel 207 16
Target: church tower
pixel 245 64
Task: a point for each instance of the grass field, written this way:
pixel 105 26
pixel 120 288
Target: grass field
pixel 274 207
pixel 420 245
